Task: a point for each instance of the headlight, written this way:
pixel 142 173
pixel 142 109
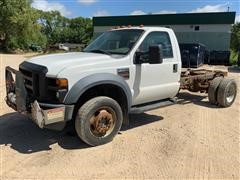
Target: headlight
pixel 57 88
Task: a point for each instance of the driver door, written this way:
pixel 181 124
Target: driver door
pixel 156 81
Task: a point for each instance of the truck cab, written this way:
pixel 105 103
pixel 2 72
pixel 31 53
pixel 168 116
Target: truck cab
pixel 121 70
pixel 124 52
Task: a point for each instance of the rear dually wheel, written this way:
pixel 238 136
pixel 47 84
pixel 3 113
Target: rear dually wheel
pixel 227 92
pixel 212 90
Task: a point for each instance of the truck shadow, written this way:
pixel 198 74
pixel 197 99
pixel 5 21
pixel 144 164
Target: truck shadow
pixel 198 99
pixel 137 120
pixel 22 135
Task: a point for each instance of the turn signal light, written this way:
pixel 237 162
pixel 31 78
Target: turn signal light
pixel 62 83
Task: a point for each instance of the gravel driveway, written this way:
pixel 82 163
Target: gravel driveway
pixel 191 139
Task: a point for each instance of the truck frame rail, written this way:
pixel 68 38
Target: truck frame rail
pixel 196 80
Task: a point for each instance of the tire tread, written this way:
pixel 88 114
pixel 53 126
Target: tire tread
pixel 82 114
pixel 212 90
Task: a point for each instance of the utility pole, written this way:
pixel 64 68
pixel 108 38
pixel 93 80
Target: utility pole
pixel 228 8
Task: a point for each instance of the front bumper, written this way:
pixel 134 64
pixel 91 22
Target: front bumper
pixel 42 114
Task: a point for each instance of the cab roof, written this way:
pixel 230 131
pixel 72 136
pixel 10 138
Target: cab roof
pixel 145 28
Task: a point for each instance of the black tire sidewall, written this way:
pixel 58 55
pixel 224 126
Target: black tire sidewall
pixel 82 123
pixel 212 90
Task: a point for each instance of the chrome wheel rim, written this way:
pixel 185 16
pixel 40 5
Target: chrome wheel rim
pixel 231 92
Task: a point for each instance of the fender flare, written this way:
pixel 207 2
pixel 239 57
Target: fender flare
pixel 88 82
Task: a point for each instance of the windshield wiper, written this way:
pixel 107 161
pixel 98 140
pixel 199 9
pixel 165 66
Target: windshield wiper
pixel 100 51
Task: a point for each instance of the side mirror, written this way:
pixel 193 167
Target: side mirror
pixel 155 54
pixel 137 58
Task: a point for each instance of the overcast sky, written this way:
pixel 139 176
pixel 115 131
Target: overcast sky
pixel 90 8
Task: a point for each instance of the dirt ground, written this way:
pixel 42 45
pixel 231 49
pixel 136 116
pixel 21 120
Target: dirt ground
pixel 191 139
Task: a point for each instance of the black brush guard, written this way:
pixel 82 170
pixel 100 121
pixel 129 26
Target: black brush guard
pixel 16 97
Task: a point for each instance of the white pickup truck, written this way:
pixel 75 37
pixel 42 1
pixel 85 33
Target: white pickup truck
pixel 124 70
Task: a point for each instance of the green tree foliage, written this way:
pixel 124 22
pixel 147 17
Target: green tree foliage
pixel 235 37
pixel 52 24
pixel 21 25
pixel 59 29
pixel 80 30
pixel 18 25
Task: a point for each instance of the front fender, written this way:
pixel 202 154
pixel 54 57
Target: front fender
pixel 93 80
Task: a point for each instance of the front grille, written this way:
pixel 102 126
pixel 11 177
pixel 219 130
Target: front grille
pixel 28 81
pixel 35 80
pixel 38 86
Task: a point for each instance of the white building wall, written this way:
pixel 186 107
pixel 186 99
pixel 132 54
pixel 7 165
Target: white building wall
pixel 215 37
pixel 226 28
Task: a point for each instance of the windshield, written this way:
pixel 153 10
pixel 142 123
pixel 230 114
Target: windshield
pixel 115 42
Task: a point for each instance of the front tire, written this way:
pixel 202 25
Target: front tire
pixel 99 120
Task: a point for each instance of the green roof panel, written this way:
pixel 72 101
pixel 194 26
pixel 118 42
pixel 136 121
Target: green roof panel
pixel 167 19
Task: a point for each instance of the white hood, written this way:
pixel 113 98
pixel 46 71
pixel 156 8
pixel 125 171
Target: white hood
pixel 57 62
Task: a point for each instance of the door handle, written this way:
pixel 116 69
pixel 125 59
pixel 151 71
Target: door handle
pixel 175 68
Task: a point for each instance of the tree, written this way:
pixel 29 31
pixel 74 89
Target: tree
pixel 59 29
pixel 53 25
pixel 81 30
pixel 18 25
pixel 235 37
pixel 22 25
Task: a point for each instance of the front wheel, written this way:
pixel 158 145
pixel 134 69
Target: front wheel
pixel 98 120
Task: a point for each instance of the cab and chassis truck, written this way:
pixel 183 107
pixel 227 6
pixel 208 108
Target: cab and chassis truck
pixel 126 70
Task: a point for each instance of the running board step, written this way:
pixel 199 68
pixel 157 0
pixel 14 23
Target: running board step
pixel 150 106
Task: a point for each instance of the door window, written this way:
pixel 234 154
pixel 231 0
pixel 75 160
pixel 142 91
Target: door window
pixel 157 38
